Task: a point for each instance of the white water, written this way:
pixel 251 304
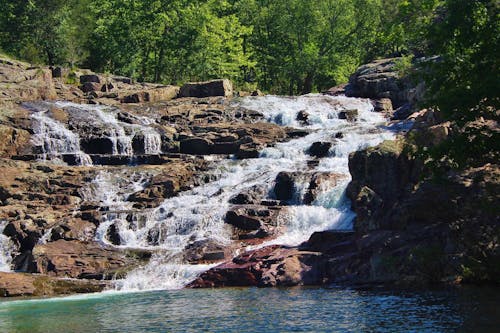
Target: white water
pixel 54 139
pixel 6 249
pixel 120 133
pixel 199 214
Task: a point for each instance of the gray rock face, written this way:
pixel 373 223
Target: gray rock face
pixel 206 89
pixel 380 79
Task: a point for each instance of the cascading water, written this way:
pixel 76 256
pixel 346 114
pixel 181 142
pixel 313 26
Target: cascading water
pixel 119 132
pixel 6 249
pixel 198 215
pixel 53 139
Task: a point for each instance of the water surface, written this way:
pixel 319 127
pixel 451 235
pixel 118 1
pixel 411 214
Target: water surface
pixel 260 310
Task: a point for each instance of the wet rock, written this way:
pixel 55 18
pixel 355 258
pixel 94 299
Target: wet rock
pixel 349 115
pixel 113 235
pixel 89 87
pixel 18 284
pixel 319 181
pixel 319 149
pixel 204 251
pixel 253 195
pixel 383 105
pixel 206 89
pixel 97 145
pixel 242 221
pixel 77 259
pixel 196 146
pixel 303 117
pixel 284 188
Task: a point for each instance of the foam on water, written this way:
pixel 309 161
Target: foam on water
pixel 53 138
pixel 6 249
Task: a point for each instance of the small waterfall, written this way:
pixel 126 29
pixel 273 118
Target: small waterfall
pixel 53 139
pixel 6 249
pixel 198 214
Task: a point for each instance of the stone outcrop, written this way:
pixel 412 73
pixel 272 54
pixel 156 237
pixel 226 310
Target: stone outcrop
pixel 206 89
pixel 76 259
pixel 392 92
pixel 19 284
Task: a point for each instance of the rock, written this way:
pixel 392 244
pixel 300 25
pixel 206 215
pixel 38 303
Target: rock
pixel 18 284
pixel 122 79
pixel 349 115
pixel 284 187
pixel 266 267
pixel 206 89
pixel 96 145
pixel 252 195
pixel 88 87
pixel 204 251
pixel 113 235
pixel 57 72
pixel 387 171
pixel 303 117
pixel 403 112
pixel 90 78
pixel 319 149
pixel 77 259
pixel 320 181
pixel 196 146
pixel 242 221
pixel 107 87
pixel 337 90
pixel 383 105
pixel 158 94
pixel 380 79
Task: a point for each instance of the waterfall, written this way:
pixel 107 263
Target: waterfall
pixel 198 214
pixel 53 139
pixel 6 249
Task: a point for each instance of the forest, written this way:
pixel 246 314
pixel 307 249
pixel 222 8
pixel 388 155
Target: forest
pixel 280 46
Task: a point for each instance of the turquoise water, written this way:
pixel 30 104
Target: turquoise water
pixel 260 310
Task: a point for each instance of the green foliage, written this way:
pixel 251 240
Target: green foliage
pixel 466 36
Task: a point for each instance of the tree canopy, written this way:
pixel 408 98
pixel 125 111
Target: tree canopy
pixel 281 46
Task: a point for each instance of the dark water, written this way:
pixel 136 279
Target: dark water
pixel 260 310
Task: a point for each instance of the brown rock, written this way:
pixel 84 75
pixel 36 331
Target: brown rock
pixel 18 284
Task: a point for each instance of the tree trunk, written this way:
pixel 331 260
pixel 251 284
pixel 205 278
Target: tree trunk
pixel 308 84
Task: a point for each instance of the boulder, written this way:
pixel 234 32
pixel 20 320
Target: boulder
pixel 76 259
pixel 383 105
pixel 90 78
pixel 206 89
pixel 19 284
pixel 284 187
pixel 321 181
pixel 242 221
pixel 349 115
pixel 319 149
pixel 158 94
pixel 303 117
pixel 196 146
